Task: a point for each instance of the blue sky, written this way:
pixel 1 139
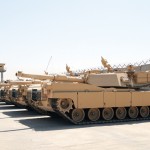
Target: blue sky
pixel 76 33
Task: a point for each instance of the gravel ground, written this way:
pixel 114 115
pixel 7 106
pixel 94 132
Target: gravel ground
pixel 26 130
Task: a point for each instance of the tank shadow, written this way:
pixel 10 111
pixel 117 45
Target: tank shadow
pixel 5 103
pixel 7 107
pixel 125 123
pixel 15 111
pixel 15 130
pixel 21 113
pixel 2 103
pixel 47 124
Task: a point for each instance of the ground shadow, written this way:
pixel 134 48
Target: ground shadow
pixel 8 107
pixel 57 123
pixel 49 123
pixel 14 111
pixel 21 113
pixel 15 130
pixel 6 103
pixel 2 103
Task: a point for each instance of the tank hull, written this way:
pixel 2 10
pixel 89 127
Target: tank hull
pixel 102 104
pixel 39 103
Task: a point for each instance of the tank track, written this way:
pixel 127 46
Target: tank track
pixel 2 100
pixel 32 107
pixel 41 111
pixel 8 102
pixel 87 122
pixel 19 105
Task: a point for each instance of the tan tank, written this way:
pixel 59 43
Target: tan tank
pixel 102 98
pixel 18 92
pixel 97 98
pixel 36 96
pixel 3 91
pixel 36 99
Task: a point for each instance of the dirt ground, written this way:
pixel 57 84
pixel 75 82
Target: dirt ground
pixel 27 130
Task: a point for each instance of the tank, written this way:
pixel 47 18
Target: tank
pixel 37 97
pixel 3 87
pixel 101 98
pixel 18 92
pixel 5 92
pixel 113 96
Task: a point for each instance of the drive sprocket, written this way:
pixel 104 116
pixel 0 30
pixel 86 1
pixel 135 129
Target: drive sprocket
pixel 64 105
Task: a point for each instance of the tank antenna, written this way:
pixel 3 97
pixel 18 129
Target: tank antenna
pixel 48 65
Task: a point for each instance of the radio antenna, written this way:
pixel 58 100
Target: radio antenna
pixel 48 65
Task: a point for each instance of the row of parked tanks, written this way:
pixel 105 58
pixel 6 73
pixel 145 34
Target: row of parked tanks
pixel 85 98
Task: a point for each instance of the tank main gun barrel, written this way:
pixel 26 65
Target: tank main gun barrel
pixel 23 82
pixel 50 77
pixel 4 84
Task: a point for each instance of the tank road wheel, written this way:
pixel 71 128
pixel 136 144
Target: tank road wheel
pixel 133 112
pixel 78 115
pixel 121 113
pixel 108 113
pixel 94 114
pixel 144 111
pixel 64 105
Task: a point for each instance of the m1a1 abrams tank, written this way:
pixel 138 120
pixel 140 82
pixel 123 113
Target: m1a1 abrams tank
pixel 99 97
pixel 37 96
pixel 5 92
pixel 1 92
pixel 3 87
pixel 18 92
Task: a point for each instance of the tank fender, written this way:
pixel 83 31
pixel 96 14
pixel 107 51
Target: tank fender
pixel 68 95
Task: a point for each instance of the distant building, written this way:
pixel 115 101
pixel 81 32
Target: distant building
pixel 2 70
